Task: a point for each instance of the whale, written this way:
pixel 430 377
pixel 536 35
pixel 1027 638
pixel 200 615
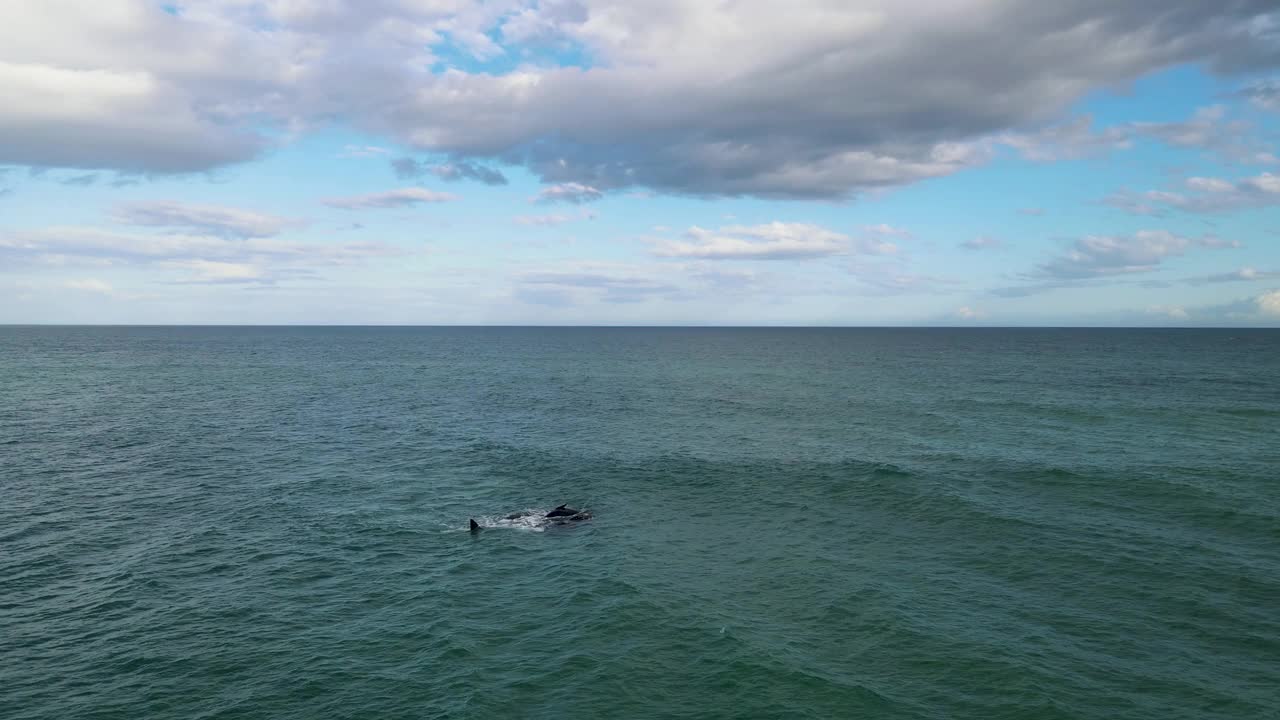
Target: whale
pixel 562 514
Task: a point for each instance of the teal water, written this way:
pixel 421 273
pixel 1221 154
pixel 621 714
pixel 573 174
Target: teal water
pixel 803 523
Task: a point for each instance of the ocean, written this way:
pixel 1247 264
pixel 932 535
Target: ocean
pixel 253 522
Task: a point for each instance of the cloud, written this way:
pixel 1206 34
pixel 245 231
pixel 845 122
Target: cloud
pixel 407 168
pixel 1269 303
pixel 213 219
pixel 552 219
pixel 89 285
pixel 886 230
pixel 1265 94
pixel 218 272
pixel 90 112
pixel 683 97
pixel 1204 195
pixel 1262 310
pixel 982 243
pixel 1231 141
pixel 772 241
pixel 1103 256
pixel 1246 274
pixel 84 180
pixel 1173 312
pixel 970 313
pixel 571 192
pixel 1199 131
pixel 363 151
pixel 1145 204
pixel 542 220
pixel 895 279
pixel 591 282
pixel 1068 141
pixel 404 197
pixel 1102 259
pixel 202 258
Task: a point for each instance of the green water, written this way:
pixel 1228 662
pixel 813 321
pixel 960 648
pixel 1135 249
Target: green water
pixel 272 523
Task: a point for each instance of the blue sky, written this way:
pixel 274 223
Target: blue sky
pixel 953 162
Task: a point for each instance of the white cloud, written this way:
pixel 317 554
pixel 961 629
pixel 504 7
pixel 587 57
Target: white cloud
pixel 89 285
pixel 218 272
pixel 982 243
pixel 772 241
pixel 894 278
pixel 218 220
pixel 1269 303
pixel 203 258
pixel 886 230
pixel 1173 312
pixel 571 192
pixel 542 220
pixel 390 199
pixel 363 151
pixel 969 313
pixel 586 282
pixel 551 220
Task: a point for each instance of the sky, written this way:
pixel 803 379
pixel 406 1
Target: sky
pixel 641 162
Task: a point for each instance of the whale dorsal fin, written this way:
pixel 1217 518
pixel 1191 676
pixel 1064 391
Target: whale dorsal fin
pixel 561 507
pixel 475 526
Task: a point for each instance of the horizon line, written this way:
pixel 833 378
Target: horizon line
pixel 642 327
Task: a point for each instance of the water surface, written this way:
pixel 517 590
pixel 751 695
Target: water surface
pixel 271 523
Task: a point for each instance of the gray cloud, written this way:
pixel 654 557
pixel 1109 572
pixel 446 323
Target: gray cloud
pixel 213 219
pixel 1069 141
pixel 403 197
pixel 1264 94
pixel 1136 203
pixel 1246 274
pixel 1203 195
pixel 1099 260
pixel 407 168
pixel 691 99
pixel 1209 129
pixel 1103 256
pixel 84 180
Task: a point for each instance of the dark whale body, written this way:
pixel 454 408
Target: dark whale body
pixel 562 514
